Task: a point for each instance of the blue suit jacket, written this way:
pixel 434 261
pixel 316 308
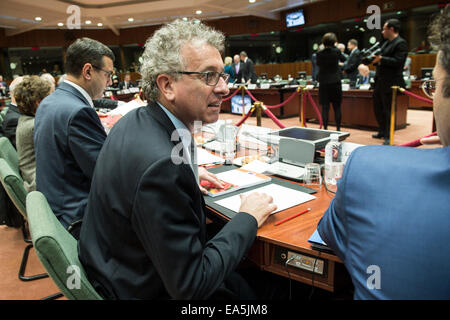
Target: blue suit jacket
pixel 392 212
pixel 68 136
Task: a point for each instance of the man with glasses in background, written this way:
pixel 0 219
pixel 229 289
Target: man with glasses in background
pixel 68 134
pixel 146 204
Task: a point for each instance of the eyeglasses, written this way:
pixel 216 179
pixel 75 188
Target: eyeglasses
pixel 429 87
pixel 108 73
pixel 211 77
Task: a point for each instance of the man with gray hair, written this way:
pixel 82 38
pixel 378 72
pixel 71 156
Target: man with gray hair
pixel 68 134
pixel 144 235
pixel 9 125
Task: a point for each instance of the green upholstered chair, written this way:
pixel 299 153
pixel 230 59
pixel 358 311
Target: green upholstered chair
pixel 9 153
pixel 57 250
pixel 13 185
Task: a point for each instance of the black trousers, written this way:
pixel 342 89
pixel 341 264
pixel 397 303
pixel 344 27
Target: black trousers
pixel 337 114
pixel 382 100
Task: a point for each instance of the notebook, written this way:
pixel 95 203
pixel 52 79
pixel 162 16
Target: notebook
pixel 317 243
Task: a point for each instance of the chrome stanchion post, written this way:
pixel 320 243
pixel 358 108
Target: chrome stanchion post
pixel 393 107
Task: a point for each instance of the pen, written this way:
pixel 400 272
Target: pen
pixel 292 217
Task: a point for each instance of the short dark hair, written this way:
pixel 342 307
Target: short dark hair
pixel 439 36
pixel 86 50
pixel 393 23
pixel 30 92
pixel 243 53
pixel 329 39
pixel 353 42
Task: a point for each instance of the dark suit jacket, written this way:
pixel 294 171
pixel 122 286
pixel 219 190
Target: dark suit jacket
pixel 392 222
pixel 143 235
pixel 68 136
pixel 249 71
pixel 9 125
pixel 328 62
pixel 351 65
pixel 238 76
pixel 390 68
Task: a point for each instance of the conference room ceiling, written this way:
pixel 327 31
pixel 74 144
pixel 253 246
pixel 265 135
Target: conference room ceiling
pixel 18 16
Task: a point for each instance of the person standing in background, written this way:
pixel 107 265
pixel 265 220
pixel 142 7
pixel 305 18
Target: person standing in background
pixel 353 61
pixel 238 67
pixel 330 88
pixel 249 68
pixel 229 68
pixel 389 73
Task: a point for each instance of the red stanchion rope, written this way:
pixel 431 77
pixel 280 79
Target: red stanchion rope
pixel 315 108
pixel 275 106
pixel 416 96
pixel 303 111
pixel 416 143
pixel 229 97
pixel 244 117
pixel 251 96
pixel 274 119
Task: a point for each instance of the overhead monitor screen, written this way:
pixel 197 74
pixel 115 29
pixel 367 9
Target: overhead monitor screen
pixel 295 19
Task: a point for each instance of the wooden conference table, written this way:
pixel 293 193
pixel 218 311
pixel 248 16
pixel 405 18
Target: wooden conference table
pixel 274 244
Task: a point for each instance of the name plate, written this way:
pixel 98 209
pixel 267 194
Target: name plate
pixel 251 86
pixel 265 86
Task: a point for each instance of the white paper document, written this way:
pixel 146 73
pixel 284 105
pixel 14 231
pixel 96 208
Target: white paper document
pixel 283 197
pixel 205 157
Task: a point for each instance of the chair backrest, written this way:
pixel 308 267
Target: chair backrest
pixel 13 184
pixel 4 111
pixel 57 250
pixel 9 153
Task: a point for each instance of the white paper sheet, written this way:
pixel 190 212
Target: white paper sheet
pixel 283 197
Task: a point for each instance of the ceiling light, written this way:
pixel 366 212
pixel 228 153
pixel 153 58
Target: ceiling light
pixel 198 12
pixel 60 24
pixel 100 24
pixel 88 22
pixel 130 19
pixel 251 1
pixel 38 18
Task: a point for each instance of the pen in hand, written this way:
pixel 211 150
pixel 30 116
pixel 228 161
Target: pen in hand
pixel 292 217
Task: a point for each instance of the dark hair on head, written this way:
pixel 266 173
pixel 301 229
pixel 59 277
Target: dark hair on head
pixel 353 42
pixel 393 23
pixel 86 50
pixel 439 36
pixel 329 39
pixel 29 93
pixel 243 53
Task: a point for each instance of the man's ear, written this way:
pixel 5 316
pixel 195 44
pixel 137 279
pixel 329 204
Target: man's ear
pixel 165 85
pixel 86 71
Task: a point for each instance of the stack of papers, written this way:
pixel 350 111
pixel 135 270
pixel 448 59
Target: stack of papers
pixel 283 197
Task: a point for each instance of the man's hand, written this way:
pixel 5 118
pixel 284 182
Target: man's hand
pixel 204 174
pixel 377 59
pixel 258 205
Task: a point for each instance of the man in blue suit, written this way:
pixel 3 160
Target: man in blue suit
pixel 389 221
pixel 68 133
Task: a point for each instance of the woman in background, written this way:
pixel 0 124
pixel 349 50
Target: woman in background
pixel 330 88
pixel 229 69
pixel 29 93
